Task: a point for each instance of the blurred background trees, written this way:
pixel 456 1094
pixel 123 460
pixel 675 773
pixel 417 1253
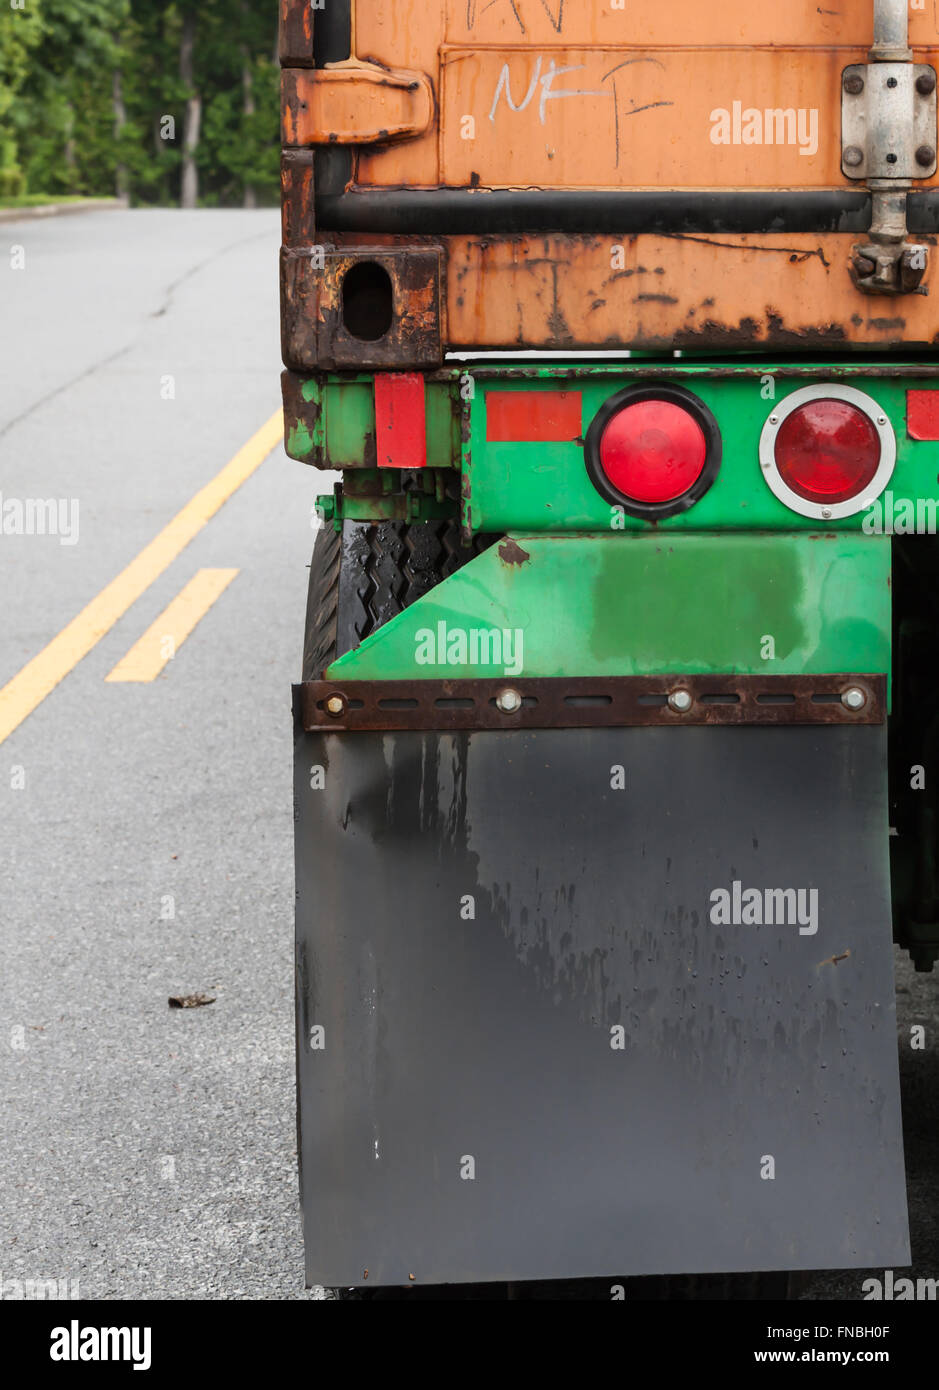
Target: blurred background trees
pixel 171 102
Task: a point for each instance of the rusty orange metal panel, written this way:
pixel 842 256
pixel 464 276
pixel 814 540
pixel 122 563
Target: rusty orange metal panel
pixel 685 118
pixel 660 21
pixel 388 31
pixel 634 106
pixel 729 291
pixel 679 99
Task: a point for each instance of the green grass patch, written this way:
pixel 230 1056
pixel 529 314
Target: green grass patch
pixel 37 200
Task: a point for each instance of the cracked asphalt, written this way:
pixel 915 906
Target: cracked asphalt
pixel 146 844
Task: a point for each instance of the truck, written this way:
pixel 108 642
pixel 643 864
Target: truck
pixel 615 773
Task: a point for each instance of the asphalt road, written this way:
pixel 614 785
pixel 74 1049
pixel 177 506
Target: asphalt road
pixel 147 827
pixel 149 1151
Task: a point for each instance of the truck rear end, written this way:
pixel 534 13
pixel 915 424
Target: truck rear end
pixel 614 734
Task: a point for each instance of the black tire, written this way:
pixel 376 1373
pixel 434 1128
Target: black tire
pixel 369 574
pixel 322 604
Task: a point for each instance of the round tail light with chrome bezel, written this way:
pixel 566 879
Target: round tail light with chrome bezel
pixel 827 452
pixel 653 450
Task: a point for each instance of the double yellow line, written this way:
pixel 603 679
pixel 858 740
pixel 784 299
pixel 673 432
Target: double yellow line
pixel 165 636
pixel 30 686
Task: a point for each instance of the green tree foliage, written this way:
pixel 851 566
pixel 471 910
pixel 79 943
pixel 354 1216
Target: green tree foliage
pixel 97 97
pixel 20 32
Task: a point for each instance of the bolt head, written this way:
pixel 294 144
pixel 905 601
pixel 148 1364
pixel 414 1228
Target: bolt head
pixel 335 705
pixel 925 155
pixel 826 513
pixel 926 83
pixel 854 698
pixel 774 419
pixel 853 156
pixel 854 83
pixel 509 701
pixel 681 701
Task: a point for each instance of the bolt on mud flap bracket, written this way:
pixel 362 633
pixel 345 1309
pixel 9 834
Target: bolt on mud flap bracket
pixel 581 702
pixel 888 138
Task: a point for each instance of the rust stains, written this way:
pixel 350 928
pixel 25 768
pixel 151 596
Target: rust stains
pixel 318 331
pixel 745 334
pixel 466 510
pixel 796 254
pixel 511 553
pixel 296 34
pixel 824 335
pixel 297 193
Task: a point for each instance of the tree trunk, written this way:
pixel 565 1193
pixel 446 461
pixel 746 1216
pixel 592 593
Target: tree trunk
pixel 189 191
pixel 247 83
pixel 120 120
pixel 68 154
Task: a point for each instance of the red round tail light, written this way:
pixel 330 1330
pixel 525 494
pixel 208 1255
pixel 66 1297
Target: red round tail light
pixel 827 451
pixel 653 450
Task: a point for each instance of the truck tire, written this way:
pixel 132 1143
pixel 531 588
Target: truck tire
pixel 369 574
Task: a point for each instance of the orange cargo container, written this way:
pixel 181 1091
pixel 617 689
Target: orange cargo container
pixel 573 175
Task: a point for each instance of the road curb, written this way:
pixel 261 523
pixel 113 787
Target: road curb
pixel 59 209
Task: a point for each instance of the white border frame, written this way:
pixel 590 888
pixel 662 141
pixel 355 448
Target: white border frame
pixel 827 511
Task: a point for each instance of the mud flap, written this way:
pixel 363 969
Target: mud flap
pixel 532 1045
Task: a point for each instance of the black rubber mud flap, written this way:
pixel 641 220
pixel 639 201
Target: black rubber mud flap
pixel 542 1032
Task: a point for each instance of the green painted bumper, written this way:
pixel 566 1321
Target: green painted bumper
pixel 543 486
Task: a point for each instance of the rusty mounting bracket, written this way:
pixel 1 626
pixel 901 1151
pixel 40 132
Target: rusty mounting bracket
pixel 525 702
pixel 888 269
pixel 888 138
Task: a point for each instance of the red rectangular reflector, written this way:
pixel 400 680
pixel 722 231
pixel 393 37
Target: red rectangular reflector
pixel 922 414
pixel 529 417
pixel 400 423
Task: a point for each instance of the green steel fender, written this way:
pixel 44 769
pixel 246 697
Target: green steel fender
pixel 627 605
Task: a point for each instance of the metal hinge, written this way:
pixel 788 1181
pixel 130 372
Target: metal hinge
pixel 355 103
pixel 888 139
pixel 888 121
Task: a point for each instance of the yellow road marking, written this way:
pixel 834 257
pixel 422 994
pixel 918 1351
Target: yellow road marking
pixel 30 686
pixel 163 638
